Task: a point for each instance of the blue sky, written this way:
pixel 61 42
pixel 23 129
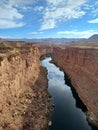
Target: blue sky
pixel 48 18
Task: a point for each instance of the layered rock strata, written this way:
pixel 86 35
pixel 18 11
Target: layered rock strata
pixel 24 101
pixel 81 65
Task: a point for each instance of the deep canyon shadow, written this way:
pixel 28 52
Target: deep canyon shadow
pixel 79 103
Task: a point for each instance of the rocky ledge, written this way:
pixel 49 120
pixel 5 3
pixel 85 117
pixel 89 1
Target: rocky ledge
pixel 24 100
pixel 80 63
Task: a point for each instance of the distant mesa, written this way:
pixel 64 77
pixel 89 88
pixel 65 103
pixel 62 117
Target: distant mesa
pixel 93 38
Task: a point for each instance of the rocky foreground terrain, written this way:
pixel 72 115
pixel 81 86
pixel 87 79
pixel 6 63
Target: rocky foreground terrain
pixel 24 100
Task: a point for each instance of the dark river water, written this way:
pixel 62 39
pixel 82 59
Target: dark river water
pixel 66 114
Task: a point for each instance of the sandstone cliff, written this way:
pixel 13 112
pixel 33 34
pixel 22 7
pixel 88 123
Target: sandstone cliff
pixel 24 101
pixel 81 65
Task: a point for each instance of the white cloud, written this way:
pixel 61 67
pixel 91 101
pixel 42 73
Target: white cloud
pixel 88 6
pixel 8 12
pixel 78 34
pixel 10 17
pixel 93 21
pixel 55 2
pixel 95 12
pixel 96 2
pixel 51 23
pixel 10 24
pixel 61 10
pixel 38 8
pixel 92 8
pixel 21 2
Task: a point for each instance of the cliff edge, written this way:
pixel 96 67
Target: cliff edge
pixel 80 62
pixel 24 101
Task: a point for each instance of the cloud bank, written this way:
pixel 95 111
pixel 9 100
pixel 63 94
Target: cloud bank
pixel 61 10
pixel 10 17
pixel 93 21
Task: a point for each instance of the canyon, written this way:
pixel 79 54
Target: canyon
pixel 24 100
pixel 80 63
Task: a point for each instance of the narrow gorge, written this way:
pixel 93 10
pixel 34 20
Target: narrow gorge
pixel 24 99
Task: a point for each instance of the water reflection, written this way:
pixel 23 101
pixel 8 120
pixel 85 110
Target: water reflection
pixel 66 116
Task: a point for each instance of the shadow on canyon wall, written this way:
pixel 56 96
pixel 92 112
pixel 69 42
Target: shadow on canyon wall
pixel 79 103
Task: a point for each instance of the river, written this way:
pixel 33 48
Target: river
pixel 66 115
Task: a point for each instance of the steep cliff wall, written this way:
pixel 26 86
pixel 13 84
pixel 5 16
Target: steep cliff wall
pixel 24 102
pixel 81 65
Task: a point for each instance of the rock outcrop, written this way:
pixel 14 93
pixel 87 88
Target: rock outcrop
pixel 24 101
pixel 81 65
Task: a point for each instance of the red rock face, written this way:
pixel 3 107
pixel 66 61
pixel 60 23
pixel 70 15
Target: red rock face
pixel 81 64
